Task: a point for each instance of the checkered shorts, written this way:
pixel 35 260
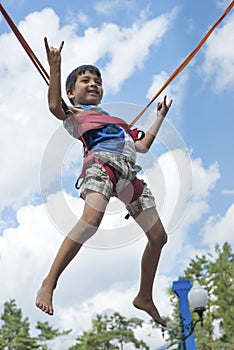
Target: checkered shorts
pixel 97 180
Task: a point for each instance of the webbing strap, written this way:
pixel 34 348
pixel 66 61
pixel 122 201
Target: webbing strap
pixel 28 50
pixel 45 75
pixel 184 63
pixel 26 47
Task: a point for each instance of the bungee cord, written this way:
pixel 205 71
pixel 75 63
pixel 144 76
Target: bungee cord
pixel 46 77
pixel 29 51
pixel 183 64
pixel 25 45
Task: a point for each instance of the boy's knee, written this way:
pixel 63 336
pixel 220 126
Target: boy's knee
pixel 84 229
pixel 158 236
pixel 91 221
pixel 164 237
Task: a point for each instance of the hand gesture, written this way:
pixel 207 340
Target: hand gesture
pixel 53 54
pixel 163 107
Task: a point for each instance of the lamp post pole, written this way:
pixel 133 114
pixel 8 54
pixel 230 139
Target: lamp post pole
pixel 197 298
pixel 181 289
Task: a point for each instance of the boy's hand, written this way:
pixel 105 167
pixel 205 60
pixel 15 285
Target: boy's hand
pixel 163 107
pixel 53 54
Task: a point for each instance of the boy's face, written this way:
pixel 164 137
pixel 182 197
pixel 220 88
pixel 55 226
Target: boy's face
pixel 88 89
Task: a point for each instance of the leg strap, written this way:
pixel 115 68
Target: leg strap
pixel 128 195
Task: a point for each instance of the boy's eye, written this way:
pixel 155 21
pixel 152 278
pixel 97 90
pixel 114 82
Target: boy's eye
pixel 87 80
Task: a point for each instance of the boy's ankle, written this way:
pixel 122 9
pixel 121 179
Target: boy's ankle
pixel 49 283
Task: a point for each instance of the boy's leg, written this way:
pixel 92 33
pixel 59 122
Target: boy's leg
pixel 150 222
pixel 95 205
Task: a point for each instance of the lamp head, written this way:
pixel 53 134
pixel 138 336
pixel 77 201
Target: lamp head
pixel 198 297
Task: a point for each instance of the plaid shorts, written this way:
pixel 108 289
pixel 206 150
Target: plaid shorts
pixel 97 180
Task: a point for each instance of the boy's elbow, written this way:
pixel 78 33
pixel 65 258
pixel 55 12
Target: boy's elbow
pixel 57 111
pixel 144 150
pixel 53 107
pixel 140 148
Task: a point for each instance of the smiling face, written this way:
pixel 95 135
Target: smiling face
pixel 88 89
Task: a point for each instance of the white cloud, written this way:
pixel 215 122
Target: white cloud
pixel 223 3
pixel 205 179
pixel 106 7
pixel 173 91
pixel 125 51
pixel 26 123
pixel 27 126
pixel 219 56
pixel 97 280
pixel 218 229
pixel 172 189
pixel 178 251
pixel 32 145
pixel 83 18
pixel 90 285
pixel 227 192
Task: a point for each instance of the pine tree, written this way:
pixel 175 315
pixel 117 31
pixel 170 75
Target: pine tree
pixel 222 280
pixel 47 332
pixel 110 332
pixel 215 272
pixel 14 332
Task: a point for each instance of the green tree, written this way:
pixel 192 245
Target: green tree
pixel 221 273
pixel 48 333
pixel 215 272
pixel 110 332
pixel 14 332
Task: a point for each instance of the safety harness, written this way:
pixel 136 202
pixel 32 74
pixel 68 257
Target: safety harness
pixel 93 119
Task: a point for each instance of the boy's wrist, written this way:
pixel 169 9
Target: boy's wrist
pixel 55 68
pixel 160 116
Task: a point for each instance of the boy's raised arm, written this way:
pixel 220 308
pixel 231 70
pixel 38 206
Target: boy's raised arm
pixel 54 91
pixel 142 146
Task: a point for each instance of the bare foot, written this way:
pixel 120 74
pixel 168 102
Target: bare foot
pixel 44 298
pixel 149 307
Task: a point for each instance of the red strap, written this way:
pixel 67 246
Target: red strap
pixel 29 51
pixel 89 159
pixel 93 117
pixel 128 195
pixel 26 47
pixel 132 191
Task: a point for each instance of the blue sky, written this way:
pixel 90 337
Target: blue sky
pixel 137 45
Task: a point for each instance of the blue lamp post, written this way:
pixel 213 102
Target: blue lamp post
pixel 197 297
pixel 181 289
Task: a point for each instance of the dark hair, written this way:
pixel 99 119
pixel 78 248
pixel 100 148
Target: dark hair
pixel 71 79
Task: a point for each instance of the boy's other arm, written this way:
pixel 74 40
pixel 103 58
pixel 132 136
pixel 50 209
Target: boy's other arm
pixel 54 91
pixel 142 146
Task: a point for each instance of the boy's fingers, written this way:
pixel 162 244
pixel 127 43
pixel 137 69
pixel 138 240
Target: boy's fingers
pixel 61 46
pixel 48 48
pixel 165 102
pixel 170 103
pixel 46 44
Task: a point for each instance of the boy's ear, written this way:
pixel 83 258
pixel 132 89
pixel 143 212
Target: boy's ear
pixel 70 93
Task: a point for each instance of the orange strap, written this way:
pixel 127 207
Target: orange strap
pixel 184 63
pixel 45 75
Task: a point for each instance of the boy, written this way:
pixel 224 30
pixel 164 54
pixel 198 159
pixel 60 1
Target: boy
pixel 109 169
